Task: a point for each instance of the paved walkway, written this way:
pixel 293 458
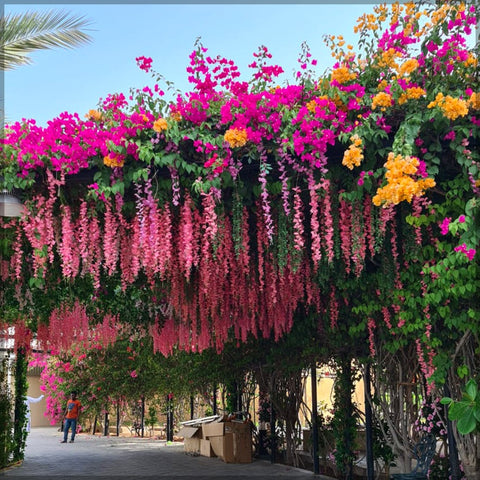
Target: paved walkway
pixel 136 458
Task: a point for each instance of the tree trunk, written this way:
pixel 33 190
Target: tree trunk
pixel 468 453
pixel 471 472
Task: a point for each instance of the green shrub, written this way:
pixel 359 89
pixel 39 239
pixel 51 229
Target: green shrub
pixel 6 406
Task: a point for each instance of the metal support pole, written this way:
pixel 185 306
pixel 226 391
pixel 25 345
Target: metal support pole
pixel 238 397
pixel 273 434
pixel 262 440
pixel 106 424
pixel 368 424
pixel 316 463
pixel 170 418
pixel 214 407
pixel 143 416
pixel 191 407
pixel 118 419
pixel 167 411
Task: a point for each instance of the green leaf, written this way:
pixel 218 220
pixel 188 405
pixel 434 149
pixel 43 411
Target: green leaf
pixel 165 160
pixel 457 410
pixel 145 153
pixel 137 174
pixel 467 423
pixel 36 282
pixel 471 389
pixel 462 371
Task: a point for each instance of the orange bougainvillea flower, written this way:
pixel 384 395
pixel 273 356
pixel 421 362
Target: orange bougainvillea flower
pixel 474 101
pixel 451 107
pixel 382 100
pixel 387 59
pixel 408 67
pixel 160 125
pixel 114 160
pixel 413 92
pixel 343 75
pixel 311 105
pixel 353 156
pixel 401 186
pixel 94 115
pixel 236 137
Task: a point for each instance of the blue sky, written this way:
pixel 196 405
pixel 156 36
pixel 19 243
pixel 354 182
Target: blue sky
pixel 74 80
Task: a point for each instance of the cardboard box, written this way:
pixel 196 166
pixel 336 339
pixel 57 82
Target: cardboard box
pixel 213 429
pixel 242 441
pixel 231 441
pixel 206 448
pixel 190 432
pixel 191 438
pixel 223 447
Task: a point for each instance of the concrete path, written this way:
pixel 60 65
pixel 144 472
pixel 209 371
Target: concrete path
pixel 136 458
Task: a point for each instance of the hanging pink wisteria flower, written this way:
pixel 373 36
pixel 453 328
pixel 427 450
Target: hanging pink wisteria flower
pixel 314 223
pixel 298 229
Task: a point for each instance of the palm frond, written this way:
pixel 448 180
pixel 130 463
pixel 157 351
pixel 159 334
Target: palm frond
pixel 21 34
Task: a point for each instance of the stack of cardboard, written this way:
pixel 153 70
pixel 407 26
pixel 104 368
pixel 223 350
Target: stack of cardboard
pixel 231 441
pixel 191 432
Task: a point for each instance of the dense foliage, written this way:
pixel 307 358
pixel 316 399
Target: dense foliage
pixel 6 403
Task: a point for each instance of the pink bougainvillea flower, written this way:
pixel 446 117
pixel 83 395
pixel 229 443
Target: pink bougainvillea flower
pixel 470 253
pixel 144 63
pixel 450 135
pixel 461 219
pixel 444 225
pixel 133 374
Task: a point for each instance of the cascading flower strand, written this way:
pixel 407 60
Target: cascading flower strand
pixel 314 223
pixel 328 227
pixel 298 229
pixel 262 178
pixel 70 260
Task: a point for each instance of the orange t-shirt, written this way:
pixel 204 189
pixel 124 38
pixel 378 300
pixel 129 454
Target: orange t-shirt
pixel 73 408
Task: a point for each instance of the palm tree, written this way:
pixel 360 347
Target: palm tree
pixel 21 34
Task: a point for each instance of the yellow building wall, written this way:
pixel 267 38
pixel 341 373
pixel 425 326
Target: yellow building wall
pixel 37 409
pixel 325 394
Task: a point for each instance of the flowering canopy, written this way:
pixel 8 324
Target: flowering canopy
pixel 222 212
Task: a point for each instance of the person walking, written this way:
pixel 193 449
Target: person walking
pixel 71 416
